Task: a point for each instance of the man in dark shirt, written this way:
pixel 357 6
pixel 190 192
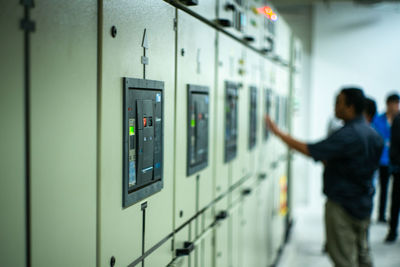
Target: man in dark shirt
pixel 351 156
pixel 395 164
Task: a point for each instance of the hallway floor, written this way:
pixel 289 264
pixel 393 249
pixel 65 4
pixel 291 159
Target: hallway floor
pixel 305 246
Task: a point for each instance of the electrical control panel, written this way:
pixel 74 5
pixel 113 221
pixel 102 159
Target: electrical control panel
pixel 267 110
pixel 231 120
pixel 253 117
pixel 142 139
pixel 284 110
pixel 232 13
pixel 278 110
pixel 197 128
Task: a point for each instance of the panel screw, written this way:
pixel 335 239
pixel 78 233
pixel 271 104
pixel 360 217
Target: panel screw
pixel 183 52
pixel 112 261
pixel 113 31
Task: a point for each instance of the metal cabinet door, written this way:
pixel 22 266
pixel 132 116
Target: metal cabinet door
pixel 63 130
pixel 12 150
pixel 195 66
pixel 132 30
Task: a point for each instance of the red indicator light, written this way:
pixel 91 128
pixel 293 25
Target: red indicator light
pixel 144 122
pixel 268 12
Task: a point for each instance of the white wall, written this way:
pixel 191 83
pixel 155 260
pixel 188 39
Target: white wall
pixel 301 130
pixel 301 25
pixel 352 45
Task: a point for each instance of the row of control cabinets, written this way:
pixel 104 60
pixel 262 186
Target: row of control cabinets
pixel 143 131
pixel 244 19
pixel 125 140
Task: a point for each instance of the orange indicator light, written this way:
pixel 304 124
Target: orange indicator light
pixel 268 12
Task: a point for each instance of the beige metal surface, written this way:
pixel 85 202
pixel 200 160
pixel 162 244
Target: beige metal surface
pixel 12 156
pixel 205 8
pixel 121 229
pixel 195 66
pixel 282 41
pixel 221 244
pixel 248 225
pixel 253 79
pixel 63 133
pixel 229 53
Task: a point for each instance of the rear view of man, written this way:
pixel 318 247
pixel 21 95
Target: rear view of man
pixel 382 124
pixel 351 156
pixel 395 164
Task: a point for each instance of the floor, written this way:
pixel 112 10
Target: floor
pixel 305 246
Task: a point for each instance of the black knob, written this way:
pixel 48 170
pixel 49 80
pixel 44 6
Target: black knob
pixel 190 2
pixel 266 50
pixel 188 247
pixel 271 44
pixel 249 38
pixel 230 6
pixel 112 261
pixel 221 215
pixel 224 22
pixel 113 31
pixel 262 176
pixel 246 191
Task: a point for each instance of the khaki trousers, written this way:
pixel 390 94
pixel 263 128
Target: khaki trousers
pixel 347 241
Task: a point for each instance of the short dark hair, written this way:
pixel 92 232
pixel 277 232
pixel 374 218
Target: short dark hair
pixel 370 107
pixel 392 98
pixel 354 97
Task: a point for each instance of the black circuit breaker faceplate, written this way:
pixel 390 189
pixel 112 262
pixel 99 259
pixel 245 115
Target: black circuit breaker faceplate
pixel 197 128
pixel 267 110
pixel 253 118
pixel 231 120
pixel 278 110
pixel 142 139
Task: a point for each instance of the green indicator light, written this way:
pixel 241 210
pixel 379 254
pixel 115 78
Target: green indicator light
pixel 193 123
pixel 132 130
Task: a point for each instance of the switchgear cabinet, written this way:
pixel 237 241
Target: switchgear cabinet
pixel 197 128
pixel 267 110
pixel 143 139
pixel 253 117
pixel 231 120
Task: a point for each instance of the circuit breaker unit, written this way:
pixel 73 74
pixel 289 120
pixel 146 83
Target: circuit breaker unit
pixel 278 110
pixel 142 139
pixel 197 128
pixel 284 106
pixel 267 110
pixel 231 120
pixel 253 117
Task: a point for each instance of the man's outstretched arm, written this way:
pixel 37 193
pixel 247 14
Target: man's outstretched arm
pixel 287 139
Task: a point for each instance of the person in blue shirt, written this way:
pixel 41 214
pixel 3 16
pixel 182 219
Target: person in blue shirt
pixel 382 124
pixel 351 156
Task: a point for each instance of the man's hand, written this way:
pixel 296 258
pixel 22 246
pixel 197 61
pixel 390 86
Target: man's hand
pixel 290 141
pixel 271 125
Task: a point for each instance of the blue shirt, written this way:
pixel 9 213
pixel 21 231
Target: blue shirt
pixel 382 126
pixel 351 155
